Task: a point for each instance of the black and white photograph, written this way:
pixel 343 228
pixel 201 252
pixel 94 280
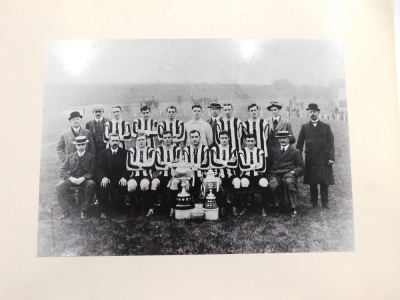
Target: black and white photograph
pixel 194 146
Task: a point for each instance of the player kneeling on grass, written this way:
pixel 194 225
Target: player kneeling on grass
pixel 287 166
pixel 224 162
pixel 252 166
pixel 77 170
pixel 167 155
pixel 112 175
pixel 140 161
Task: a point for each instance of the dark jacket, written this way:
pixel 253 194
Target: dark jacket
pixel 91 126
pixel 71 163
pixel 283 125
pixel 65 146
pixel 290 160
pixel 112 168
pixel 319 149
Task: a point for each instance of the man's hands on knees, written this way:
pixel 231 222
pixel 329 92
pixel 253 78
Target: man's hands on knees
pixel 104 182
pixel 123 182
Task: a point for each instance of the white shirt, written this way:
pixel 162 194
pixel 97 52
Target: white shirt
pixel 99 120
pixel 81 154
pixel 285 147
pixel 314 122
pixel 114 151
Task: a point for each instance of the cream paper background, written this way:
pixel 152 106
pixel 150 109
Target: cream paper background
pixel 366 28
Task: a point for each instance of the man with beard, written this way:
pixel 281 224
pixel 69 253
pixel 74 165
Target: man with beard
pixel 320 155
pixel 112 175
pixel 77 171
pixel 66 145
pixel 96 127
pixel 287 165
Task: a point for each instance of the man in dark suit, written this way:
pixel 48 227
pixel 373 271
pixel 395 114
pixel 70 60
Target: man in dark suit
pixel 287 166
pixel 112 175
pixel 215 121
pixel 66 145
pixel 320 155
pixel 277 123
pixel 77 171
pixel 96 127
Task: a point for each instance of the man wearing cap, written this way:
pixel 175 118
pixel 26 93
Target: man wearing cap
pixel 118 126
pixel 277 123
pixel 96 127
pixel 215 121
pixel 198 124
pixel 286 166
pixel 112 177
pixel 65 144
pixel 77 170
pixel 319 151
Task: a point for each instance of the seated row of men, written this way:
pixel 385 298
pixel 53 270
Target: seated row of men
pixel 143 173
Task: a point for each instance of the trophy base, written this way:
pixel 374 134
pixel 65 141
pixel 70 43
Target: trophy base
pixel 211 214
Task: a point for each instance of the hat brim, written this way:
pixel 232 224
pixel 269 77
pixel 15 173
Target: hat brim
pixel 75 143
pixel 214 106
pixel 75 117
pixel 277 106
pixel 283 136
pixel 313 109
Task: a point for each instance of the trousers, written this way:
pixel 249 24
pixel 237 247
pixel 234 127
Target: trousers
pixel 63 196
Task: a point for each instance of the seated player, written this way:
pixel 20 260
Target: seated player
pixel 224 162
pixel 197 155
pixel 287 166
pixel 252 166
pixel 140 161
pixel 77 170
pixel 166 156
pixel 112 176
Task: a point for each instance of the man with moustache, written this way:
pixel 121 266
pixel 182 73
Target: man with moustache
pixel 286 166
pixel 112 175
pixel 96 127
pixel 77 170
pixel 65 145
pixel 319 151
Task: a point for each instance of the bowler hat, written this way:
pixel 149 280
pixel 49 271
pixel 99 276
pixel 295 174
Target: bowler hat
pixel 313 106
pixel 274 104
pixel 283 134
pixel 81 139
pixel 215 105
pixel 74 114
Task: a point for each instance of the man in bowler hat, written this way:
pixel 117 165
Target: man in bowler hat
pixel 65 145
pixel 319 151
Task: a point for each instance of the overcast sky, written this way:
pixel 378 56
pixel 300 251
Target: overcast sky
pixel 194 61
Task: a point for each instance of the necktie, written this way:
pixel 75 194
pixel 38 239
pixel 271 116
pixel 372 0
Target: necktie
pixel 275 123
pixel 282 150
pixel 114 152
pixel 117 129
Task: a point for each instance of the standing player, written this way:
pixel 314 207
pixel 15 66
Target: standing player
pixel 215 120
pixel 233 126
pixel 197 155
pixel 224 162
pixel 258 127
pixel 252 165
pixel 140 161
pixel 199 125
pixel 166 156
pixel 145 125
pixel 117 126
pixel 173 125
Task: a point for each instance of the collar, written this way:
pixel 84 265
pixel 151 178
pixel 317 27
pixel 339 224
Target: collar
pixel 193 120
pixel 216 119
pixel 79 154
pixel 115 121
pixel 286 147
pixel 114 151
pixel 76 130
pixel 276 118
pixel 99 120
pixel 314 122
pixel 254 120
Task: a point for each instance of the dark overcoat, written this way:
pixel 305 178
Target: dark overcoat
pixel 114 168
pixel 71 164
pixel 319 149
pixel 99 142
pixel 65 144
